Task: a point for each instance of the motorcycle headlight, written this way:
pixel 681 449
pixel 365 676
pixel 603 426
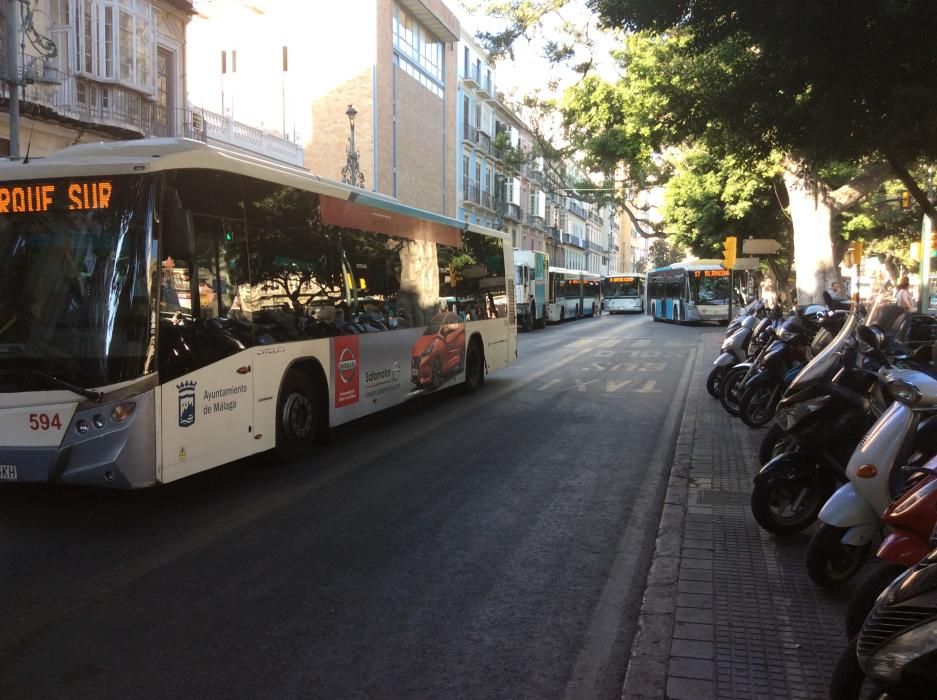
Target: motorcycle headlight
pixel 917 639
pixel 787 418
pixel 903 391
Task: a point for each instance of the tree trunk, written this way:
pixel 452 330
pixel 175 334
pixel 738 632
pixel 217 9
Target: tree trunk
pixel 812 217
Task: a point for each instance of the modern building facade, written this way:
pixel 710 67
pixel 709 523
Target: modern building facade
pixel 92 70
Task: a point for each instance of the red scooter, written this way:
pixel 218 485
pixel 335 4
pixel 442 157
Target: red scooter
pixel 911 518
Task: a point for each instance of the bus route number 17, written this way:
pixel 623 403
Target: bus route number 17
pixel 44 421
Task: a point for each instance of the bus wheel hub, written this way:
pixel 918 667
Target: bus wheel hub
pixel 297 417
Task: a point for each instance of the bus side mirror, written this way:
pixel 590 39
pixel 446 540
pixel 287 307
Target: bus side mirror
pixel 178 230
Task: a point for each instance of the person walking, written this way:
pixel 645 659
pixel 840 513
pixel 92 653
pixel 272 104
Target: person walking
pixel 903 297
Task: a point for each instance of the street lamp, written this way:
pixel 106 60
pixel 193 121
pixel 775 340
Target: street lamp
pixel 351 173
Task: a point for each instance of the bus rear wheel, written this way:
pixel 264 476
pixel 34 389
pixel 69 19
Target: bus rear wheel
pixel 297 417
pixel 474 368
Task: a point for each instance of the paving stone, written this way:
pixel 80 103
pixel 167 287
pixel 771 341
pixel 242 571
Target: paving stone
pixel 689 630
pixel 659 599
pixel 682 667
pixel 694 600
pixel 687 689
pixel 690 586
pixel 692 648
pixel 694 615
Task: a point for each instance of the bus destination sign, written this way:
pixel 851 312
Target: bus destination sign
pixel 621 279
pixel 711 273
pixel 39 198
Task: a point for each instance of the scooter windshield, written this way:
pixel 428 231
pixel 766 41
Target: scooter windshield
pixel 825 360
pixel 891 319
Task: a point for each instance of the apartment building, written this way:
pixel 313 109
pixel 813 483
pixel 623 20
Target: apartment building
pixel 93 70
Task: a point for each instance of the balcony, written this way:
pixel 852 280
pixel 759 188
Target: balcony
pixel 577 210
pixel 470 192
pixel 512 211
pixel 471 75
pixel 483 141
pixel 213 128
pixel 488 201
pixel 80 103
pixel 535 220
pixel 469 133
pixel 573 240
pixel 552 232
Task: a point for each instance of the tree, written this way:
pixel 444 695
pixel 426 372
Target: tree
pixel 819 83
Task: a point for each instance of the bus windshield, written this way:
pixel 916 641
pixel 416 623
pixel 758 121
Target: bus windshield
pixel 710 289
pixel 75 295
pixel 616 287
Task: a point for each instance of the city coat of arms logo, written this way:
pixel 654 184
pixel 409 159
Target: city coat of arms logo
pixel 186 403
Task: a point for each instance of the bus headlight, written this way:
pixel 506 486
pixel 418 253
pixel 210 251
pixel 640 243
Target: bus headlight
pixel 82 427
pixel 122 411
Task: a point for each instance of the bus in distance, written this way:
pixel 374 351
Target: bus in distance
pixel 530 288
pixel 167 307
pixel 573 294
pixel 623 293
pixel 690 292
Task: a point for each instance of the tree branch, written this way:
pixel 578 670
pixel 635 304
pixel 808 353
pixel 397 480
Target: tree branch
pixel 860 187
pixel 913 188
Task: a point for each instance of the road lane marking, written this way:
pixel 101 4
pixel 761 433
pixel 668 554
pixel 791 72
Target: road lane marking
pixel 605 626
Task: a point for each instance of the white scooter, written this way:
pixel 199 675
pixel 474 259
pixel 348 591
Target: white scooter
pixel 852 516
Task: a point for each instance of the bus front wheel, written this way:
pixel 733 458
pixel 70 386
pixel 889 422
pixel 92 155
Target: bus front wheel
pixel 474 367
pixel 296 417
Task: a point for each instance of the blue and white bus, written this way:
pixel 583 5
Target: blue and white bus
pixel 690 292
pixel 623 293
pixel 167 306
pixel 573 294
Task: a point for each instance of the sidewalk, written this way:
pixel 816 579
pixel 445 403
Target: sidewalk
pixel 728 611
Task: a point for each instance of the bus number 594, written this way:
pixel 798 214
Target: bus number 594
pixel 43 421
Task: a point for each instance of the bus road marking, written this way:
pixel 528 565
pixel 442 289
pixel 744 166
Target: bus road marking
pixel 548 385
pixel 611 386
pixel 648 388
pixel 581 385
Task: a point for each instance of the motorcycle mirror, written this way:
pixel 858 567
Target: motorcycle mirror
pixel 871 335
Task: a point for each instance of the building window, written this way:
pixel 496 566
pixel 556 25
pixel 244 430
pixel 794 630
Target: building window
pixel 417 47
pixel 116 40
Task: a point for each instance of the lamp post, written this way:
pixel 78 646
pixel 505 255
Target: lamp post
pixel 351 173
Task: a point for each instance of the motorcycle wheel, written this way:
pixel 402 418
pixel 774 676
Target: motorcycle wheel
pixel 830 563
pixel 784 507
pixel 756 405
pixel 730 386
pixel 775 443
pixel 714 381
pixel 866 591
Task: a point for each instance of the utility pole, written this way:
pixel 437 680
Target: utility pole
pixel 926 227
pixel 12 77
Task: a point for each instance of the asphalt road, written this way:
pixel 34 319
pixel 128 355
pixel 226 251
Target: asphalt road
pixel 488 546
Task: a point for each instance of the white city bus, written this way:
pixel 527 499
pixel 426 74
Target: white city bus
pixel 623 293
pixel 689 292
pixel 573 294
pixel 166 307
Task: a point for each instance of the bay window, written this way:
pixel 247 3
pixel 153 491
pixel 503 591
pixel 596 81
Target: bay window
pixel 116 41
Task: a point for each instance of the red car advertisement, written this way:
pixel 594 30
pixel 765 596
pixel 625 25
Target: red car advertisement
pixel 347 369
pixel 439 353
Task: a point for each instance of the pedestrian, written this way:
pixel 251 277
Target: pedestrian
pixel 836 290
pixel 903 297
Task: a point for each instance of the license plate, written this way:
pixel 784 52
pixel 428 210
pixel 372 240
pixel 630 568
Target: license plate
pixel 414 372
pixel 7 472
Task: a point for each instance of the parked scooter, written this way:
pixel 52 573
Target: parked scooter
pixel 797 341
pixel 734 350
pixel 733 380
pixel 852 516
pixel 832 395
pixel 911 519
pixel 895 654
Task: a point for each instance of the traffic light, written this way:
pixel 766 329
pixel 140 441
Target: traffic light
pixel 932 246
pixel 905 199
pixel 728 252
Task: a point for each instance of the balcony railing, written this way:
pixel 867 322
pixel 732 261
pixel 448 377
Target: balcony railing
pixel 572 240
pixel 488 200
pixel 469 133
pixel 552 232
pixel 471 192
pixel 534 220
pixel 483 141
pixel 472 75
pixel 512 211
pixel 212 127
